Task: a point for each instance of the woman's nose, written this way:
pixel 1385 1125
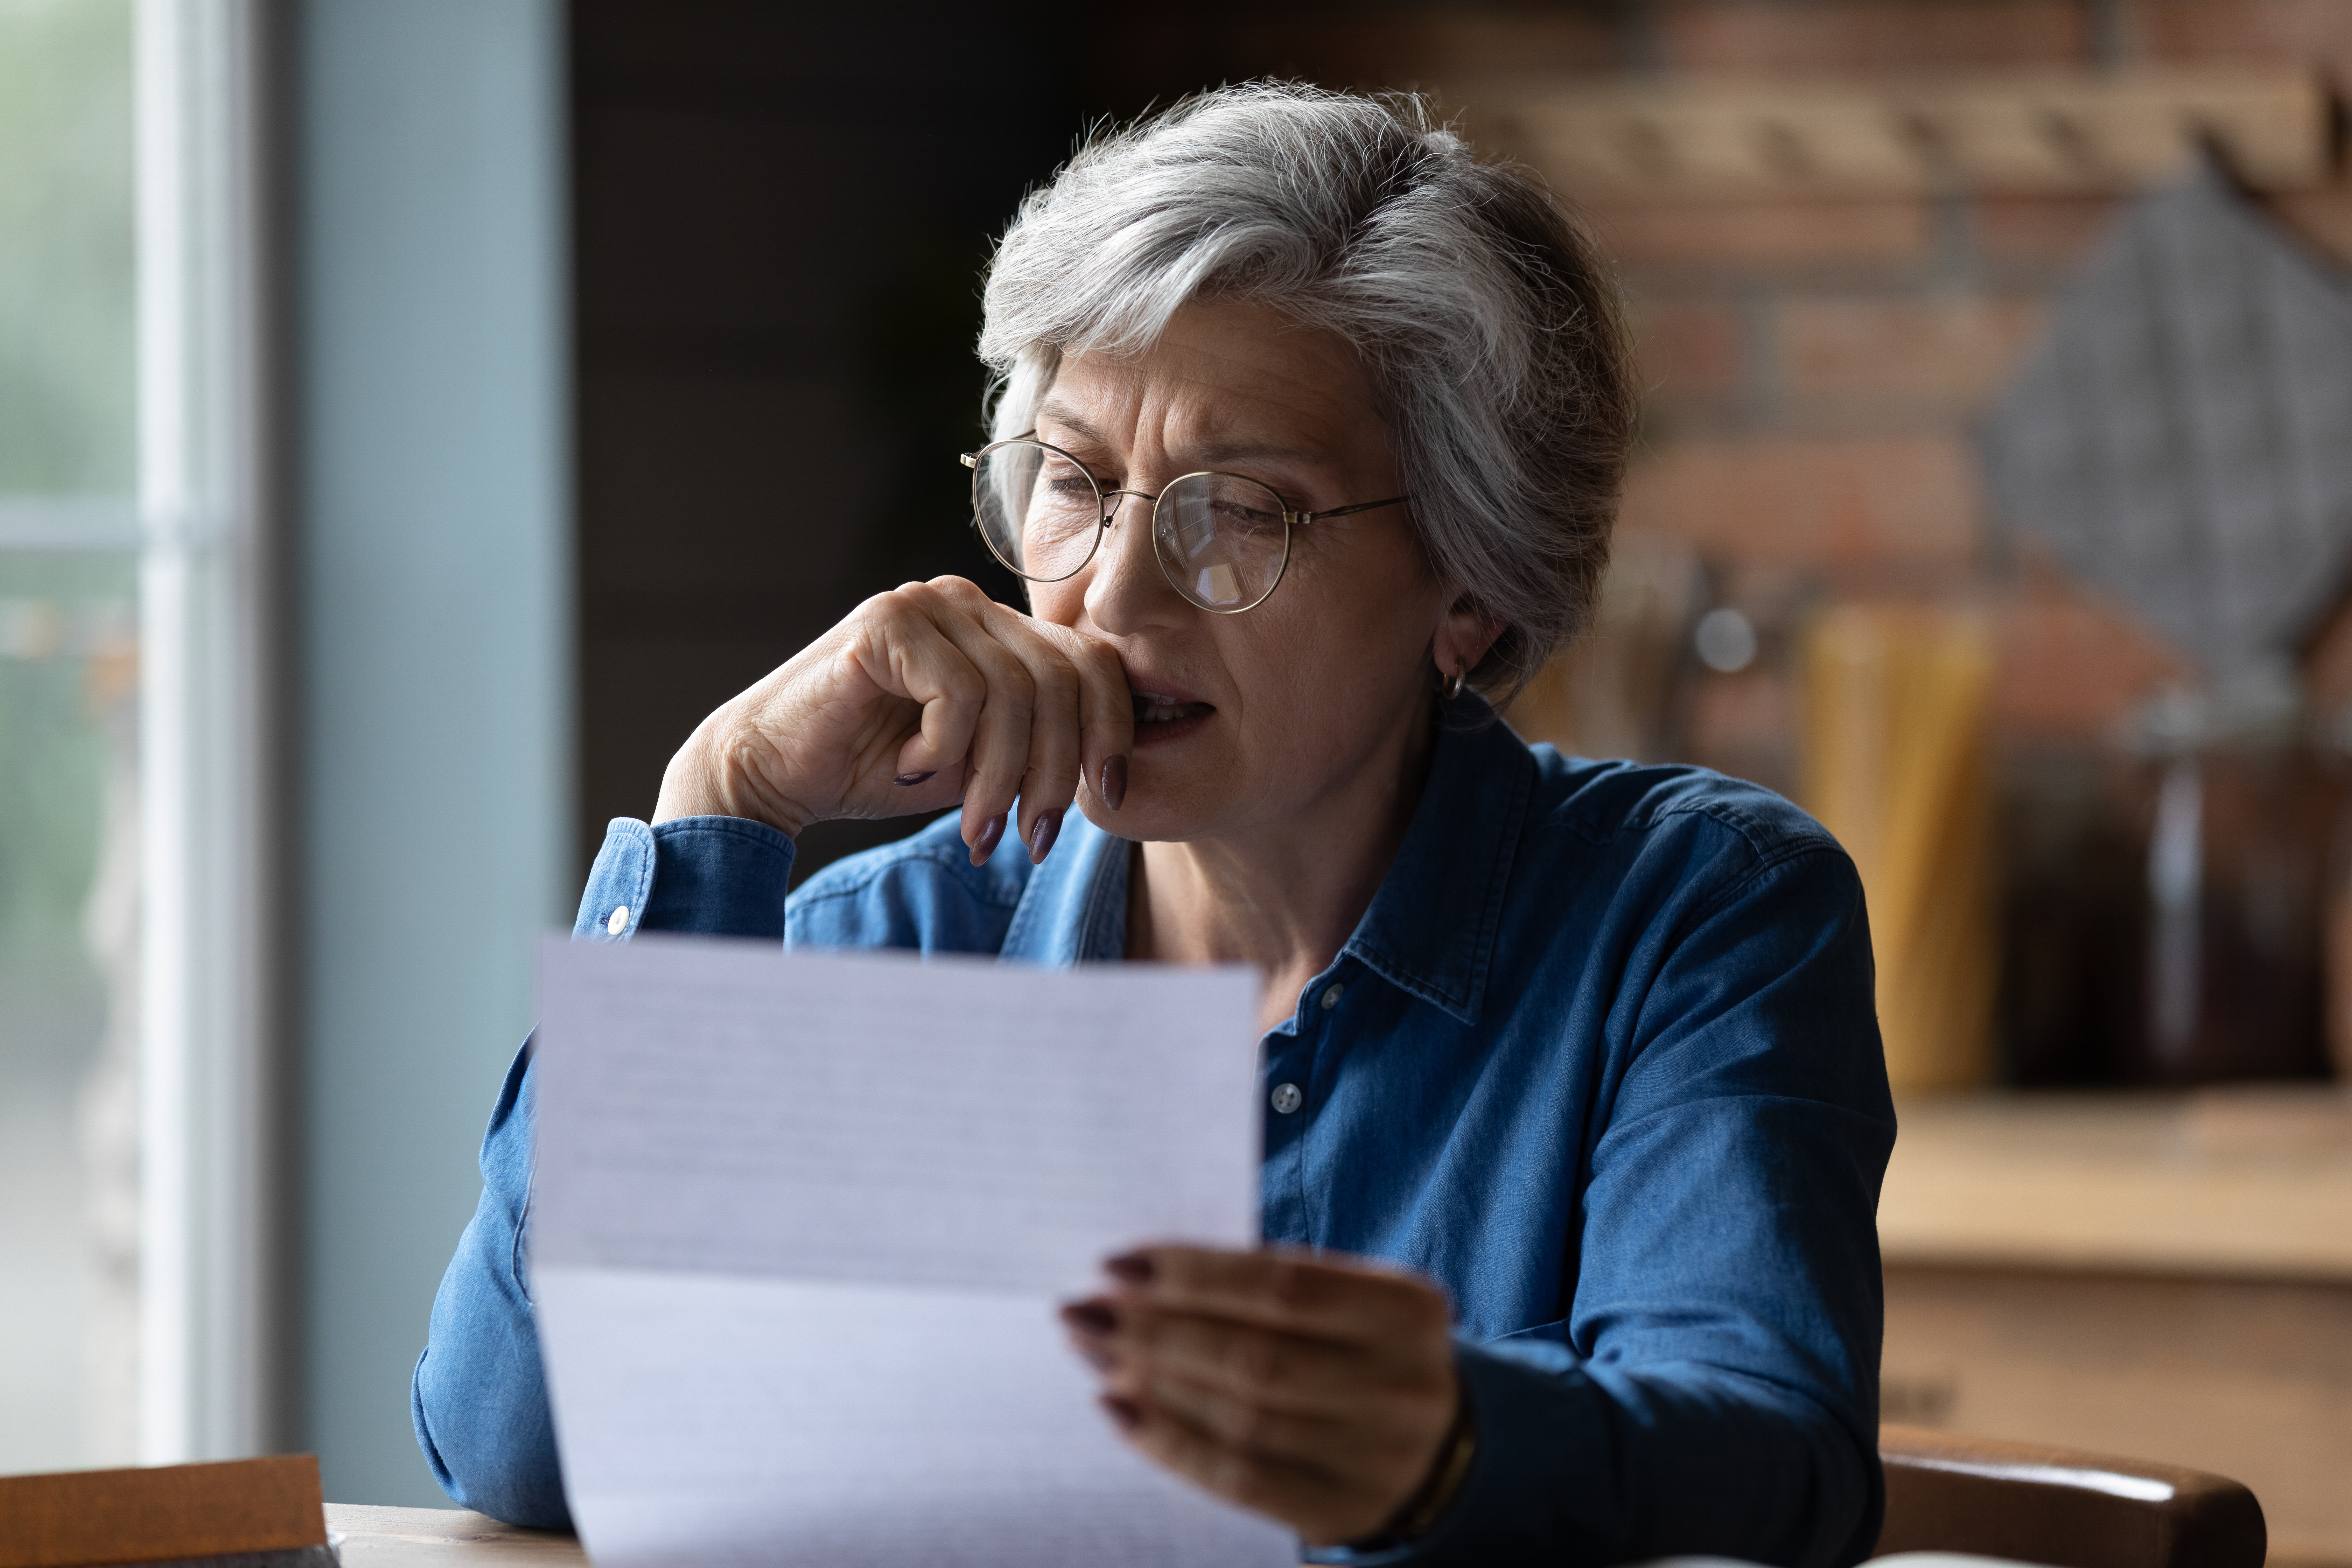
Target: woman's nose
pixel 1126 590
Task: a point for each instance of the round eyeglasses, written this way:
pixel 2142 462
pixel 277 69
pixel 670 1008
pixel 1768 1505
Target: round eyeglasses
pixel 1223 539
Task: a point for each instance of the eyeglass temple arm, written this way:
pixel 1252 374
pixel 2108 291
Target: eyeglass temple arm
pixel 971 460
pixel 1306 517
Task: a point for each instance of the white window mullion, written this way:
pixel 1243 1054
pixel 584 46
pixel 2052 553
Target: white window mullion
pixel 206 1302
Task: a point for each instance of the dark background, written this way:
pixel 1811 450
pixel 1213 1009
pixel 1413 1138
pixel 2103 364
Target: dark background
pixel 780 216
pixel 780 213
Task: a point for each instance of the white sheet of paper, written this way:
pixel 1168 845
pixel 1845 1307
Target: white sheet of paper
pixel 798 1226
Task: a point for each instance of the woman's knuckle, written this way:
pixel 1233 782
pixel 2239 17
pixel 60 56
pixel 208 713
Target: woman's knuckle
pixel 1262 1360
pixel 1013 678
pixel 1247 1424
pixel 1015 698
pixel 1291 1286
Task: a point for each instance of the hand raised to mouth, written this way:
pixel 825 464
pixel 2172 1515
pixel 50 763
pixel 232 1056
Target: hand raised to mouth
pixel 927 695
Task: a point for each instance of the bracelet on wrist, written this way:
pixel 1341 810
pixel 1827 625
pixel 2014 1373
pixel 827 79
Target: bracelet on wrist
pixel 1424 1510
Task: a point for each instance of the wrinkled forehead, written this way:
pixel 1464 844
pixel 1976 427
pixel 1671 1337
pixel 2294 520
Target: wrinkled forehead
pixel 1225 381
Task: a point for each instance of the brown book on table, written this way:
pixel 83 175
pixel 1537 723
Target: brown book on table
pixel 244 1513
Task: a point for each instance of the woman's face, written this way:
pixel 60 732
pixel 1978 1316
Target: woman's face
pixel 1277 709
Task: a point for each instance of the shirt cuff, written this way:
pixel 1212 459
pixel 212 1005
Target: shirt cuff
pixel 707 876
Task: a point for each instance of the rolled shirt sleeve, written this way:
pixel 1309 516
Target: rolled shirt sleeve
pixel 1715 1388
pixel 479 1397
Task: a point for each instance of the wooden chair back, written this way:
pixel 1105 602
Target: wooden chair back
pixel 2060 1506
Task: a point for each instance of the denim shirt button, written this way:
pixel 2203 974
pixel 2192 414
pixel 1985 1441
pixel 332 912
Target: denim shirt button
pixel 619 921
pixel 1331 995
pixel 1286 1098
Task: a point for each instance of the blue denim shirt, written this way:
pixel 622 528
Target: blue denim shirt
pixel 1601 1057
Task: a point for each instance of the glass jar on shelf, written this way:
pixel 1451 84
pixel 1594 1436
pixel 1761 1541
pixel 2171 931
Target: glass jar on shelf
pixel 2238 815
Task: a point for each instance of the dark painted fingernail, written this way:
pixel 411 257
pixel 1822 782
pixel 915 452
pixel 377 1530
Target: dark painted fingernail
pixel 1114 782
pixel 1095 1317
pixel 1135 1267
pixel 903 779
pixel 1126 1411
pixel 985 845
pixel 1041 835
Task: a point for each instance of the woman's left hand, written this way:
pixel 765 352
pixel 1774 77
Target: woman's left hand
pixel 1312 1389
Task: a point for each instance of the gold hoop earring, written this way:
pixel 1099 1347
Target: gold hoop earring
pixel 1450 687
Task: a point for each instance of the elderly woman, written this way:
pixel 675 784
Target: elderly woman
pixel 1307 432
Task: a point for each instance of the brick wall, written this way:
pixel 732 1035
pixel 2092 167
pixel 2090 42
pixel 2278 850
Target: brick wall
pixel 1815 370
pixel 1815 366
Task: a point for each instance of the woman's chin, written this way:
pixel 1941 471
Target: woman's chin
pixel 1172 792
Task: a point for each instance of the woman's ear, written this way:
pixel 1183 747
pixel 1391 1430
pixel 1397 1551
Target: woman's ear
pixel 1462 638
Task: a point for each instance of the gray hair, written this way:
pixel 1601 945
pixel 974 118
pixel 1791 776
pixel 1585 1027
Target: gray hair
pixel 1491 326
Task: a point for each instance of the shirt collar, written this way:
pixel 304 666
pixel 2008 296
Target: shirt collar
pixel 1432 927
pixel 1074 908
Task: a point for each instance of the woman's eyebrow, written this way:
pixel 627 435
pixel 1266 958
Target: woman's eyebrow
pixel 1071 420
pixel 1212 452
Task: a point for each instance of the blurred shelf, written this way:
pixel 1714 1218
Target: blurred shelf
pixel 1697 137
pixel 2244 1183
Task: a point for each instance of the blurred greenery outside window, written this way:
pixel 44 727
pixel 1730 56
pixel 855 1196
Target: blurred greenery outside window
pixel 69 569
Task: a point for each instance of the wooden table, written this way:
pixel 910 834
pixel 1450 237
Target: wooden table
pixel 2163 1276
pixel 444 1538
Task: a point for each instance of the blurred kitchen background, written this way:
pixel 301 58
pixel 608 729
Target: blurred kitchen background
pixel 414 414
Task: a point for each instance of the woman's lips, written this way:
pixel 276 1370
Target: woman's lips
pixel 1159 719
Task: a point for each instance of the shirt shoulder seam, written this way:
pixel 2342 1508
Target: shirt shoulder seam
pixel 1768 860
pixel 1767 849
pixel 1768 846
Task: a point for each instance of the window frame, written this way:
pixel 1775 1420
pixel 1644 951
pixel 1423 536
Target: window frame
pixel 211 1310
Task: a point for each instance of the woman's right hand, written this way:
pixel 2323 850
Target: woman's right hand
pixel 927 695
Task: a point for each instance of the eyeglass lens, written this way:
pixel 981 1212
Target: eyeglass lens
pixel 1039 512
pixel 1221 538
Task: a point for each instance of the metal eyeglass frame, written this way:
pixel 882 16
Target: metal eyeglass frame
pixel 1290 519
